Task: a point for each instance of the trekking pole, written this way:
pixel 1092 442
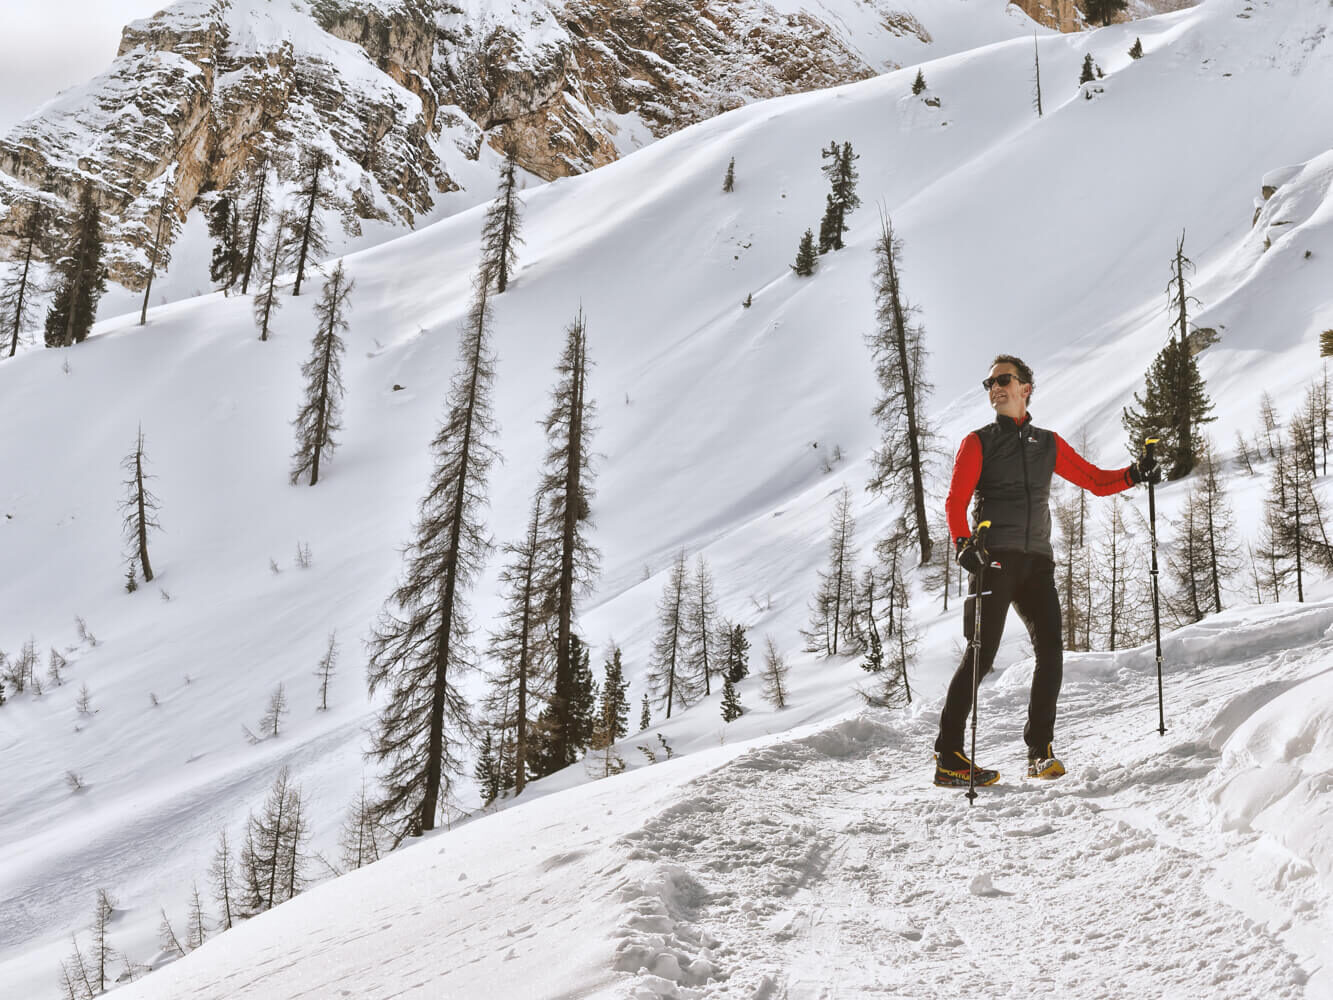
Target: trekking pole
pixel 980 543
pixel 1156 607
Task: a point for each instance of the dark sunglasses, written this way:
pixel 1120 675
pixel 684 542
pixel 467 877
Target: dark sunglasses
pixel 1002 379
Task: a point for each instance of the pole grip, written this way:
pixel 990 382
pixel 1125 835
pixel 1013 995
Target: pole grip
pixel 1148 445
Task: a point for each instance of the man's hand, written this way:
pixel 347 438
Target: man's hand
pixel 970 556
pixel 1145 469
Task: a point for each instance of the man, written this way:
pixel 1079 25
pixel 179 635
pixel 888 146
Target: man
pixel 1008 464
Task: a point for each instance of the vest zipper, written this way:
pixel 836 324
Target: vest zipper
pixel 1027 492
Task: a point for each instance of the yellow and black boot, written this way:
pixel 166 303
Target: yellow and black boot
pixel 952 770
pixel 1044 764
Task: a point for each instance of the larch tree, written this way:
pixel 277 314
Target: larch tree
pixel 667 673
pixel 164 234
pixel 138 509
pixel 500 231
pixel 320 415
pixel 103 954
pixel 196 928
pixel 1036 75
pixel 729 179
pixel 255 208
pixel 18 300
pixel 1122 603
pixel 274 249
pixel 327 666
pixel 358 840
pixel 898 351
pixel 80 278
pixel 1071 559
pixel 307 226
pixel 701 620
pixel 833 608
pixel 422 649
pixel 271 858
pixel 1205 553
pixel 221 875
pixel 569 562
pixel 774 675
pixel 520 647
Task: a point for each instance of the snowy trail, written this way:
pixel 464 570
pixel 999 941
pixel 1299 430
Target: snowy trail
pixel 829 868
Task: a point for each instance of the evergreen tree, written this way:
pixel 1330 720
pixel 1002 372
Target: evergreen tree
pixel 1088 74
pixel 832 610
pixel 613 711
pixel 500 237
pixel 320 415
pixel 80 278
pixel 731 702
pixel 307 237
pixel 164 234
pixel 701 620
pixel 1326 344
pixel 898 350
pixel 919 84
pixel 569 562
pixel 584 702
pixel 667 675
pixel 729 181
pixel 806 258
pixel 840 169
pixel 645 714
pixel 486 773
pixel 520 648
pixel 1205 553
pixel 224 226
pixel 1174 405
pixel 17 292
pixel 273 249
pixel 874 644
pixel 1136 50
pixel 422 645
pixel 221 875
pixel 138 509
pixel 255 209
pixel 325 670
pixel 1036 75
pixel 1103 10
pixel 736 657
pixel 774 676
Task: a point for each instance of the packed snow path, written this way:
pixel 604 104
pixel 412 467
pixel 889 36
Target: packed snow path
pixel 825 865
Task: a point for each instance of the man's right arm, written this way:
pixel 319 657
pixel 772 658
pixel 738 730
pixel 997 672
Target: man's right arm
pixel 963 483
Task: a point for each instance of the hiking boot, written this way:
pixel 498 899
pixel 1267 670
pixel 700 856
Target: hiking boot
pixel 952 770
pixel 1043 763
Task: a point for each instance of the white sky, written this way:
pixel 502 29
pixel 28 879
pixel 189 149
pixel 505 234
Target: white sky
pixel 48 45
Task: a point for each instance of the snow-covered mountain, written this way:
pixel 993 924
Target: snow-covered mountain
pixel 720 431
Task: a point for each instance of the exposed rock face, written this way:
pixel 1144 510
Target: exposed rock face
pixel 396 90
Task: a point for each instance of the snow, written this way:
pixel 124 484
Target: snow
pixel 786 852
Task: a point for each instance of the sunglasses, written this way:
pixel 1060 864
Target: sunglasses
pixel 1003 379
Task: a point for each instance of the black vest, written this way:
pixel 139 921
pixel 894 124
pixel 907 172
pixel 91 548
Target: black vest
pixel 1014 490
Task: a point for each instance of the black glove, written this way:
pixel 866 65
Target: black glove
pixel 970 555
pixel 1145 470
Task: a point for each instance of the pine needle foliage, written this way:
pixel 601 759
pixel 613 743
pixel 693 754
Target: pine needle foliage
pixel 80 278
pixel 806 257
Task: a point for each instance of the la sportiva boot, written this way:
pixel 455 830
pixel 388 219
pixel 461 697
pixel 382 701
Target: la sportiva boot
pixel 952 770
pixel 1043 763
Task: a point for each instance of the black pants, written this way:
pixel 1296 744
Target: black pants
pixel 1028 583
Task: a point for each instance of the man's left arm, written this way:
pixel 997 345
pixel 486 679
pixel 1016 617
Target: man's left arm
pixel 1072 466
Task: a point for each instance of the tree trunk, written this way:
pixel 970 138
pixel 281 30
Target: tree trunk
pixel 909 404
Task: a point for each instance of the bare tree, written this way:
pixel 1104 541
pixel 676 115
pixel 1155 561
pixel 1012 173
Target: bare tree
pixel 197 928
pixel 701 621
pixel 1205 553
pixel 325 670
pixel 833 609
pixel 1122 605
pixel 320 416
pixel 667 675
pixel 307 226
pixel 17 301
pixel 166 935
pixel 1071 563
pixel 273 714
pixel 1036 74
pixel 139 508
pixel 422 648
pixel 258 190
pixel 774 675
pixel 898 350
pixel 220 874
pixel 103 954
pixel 271 857
pixel 275 249
pixel 359 838
pixel 164 233
pixel 500 231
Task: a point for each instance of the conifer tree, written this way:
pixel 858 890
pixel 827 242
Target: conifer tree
pixel 701 620
pixel 806 258
pixel 358 840
pixel 736 657
pixel 1123 606
pixel 731 701
pixel 80 278
pixel 271 722
pixel 1070 564
pixel 255 209
pixel 569 563
pixel 1088 73
pixel 919 84
pixel 613 710
pixel 167 938
pixel 224 226
pixel 729 181
pixel 274 249
pixel 307 238
pixel 197 928
pixel 164 233
pixel 519 646
pixel 667 675
pixel 901 647
pixel 138 509
pixel 271 858
pixel 221 875
pixel 327 665
pixel 1205 553
pixel 1298 518
pixel 500 237
pixel 584 702
pixel 1103 10
pixel 486 772
pixel 833 609
pixel 898 350
pixel 645 714
pixel 774 676
pixel 18 300
pixel 320 415
pixel 103 954
pixel 1036 75
pixel 1136 50
pixel 842 200
pixel 421 648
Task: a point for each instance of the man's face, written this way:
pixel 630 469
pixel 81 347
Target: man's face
pixel 1009 400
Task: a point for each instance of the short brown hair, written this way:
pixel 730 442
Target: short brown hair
pixel 1024 372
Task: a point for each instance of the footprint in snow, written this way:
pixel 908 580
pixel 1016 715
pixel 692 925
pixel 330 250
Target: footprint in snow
pixel 981 886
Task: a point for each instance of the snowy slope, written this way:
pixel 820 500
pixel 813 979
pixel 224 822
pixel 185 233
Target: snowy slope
pixel 1049 238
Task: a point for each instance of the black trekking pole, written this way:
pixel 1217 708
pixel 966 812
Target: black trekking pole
pixel 1156 607
pixel 980 543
